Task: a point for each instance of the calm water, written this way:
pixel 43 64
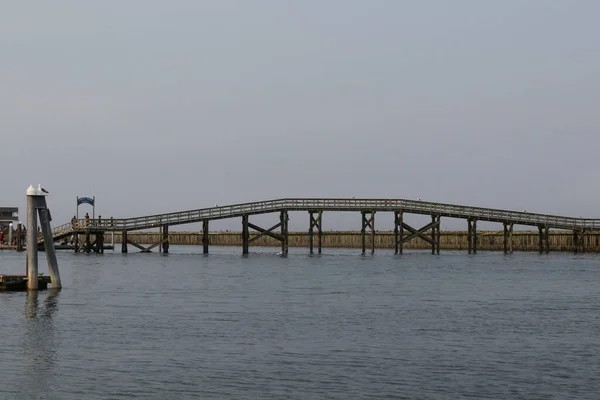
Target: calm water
pixel 336 326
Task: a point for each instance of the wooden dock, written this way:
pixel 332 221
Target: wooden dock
pixel 19 282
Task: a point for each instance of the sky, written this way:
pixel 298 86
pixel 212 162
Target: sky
pixel 155 106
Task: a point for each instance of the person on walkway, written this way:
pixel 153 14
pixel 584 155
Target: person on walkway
pixel 87 219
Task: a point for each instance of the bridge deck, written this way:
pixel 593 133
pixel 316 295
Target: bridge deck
pixel 316 204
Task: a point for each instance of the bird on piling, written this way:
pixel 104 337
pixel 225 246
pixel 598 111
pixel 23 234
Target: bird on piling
pixel 41 189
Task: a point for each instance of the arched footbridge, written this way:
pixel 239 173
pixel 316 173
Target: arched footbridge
pixel 316 206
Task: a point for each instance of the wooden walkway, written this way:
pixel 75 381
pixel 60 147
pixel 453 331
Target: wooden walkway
pixel 316 206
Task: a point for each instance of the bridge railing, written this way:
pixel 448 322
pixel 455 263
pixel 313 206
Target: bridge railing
pixel 197 215
pixel 449 210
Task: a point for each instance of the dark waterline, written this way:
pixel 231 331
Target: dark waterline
pixel 339 325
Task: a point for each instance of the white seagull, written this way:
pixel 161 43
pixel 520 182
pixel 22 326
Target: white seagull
pixel 40 188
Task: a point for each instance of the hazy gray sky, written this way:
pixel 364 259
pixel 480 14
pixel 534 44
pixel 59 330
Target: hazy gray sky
pixel 156 106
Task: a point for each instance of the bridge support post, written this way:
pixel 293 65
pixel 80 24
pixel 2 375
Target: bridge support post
pixel 368 223
pixel 363 242
pixel 578 241
pixel 398 215
pixel 88 242
pixel 245 234
pixel 315 223
pixel 472 235
pixel 475 237
pixel 433 240
pixel 469 235
pixel 435 234
pixel 508 237
pixel 160 239
pixel 165 239
pixel 100 242
pixel 284 218
pixel 124 242
pixel 544 242
pixel 433 228
pixel 438 236
pixel 401 231
pixel 320 232
pixel 205 236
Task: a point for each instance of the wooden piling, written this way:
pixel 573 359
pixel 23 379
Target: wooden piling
pixel 433 234
pixel 363 232
pixel 507 243
pixel 245 234
pixel 438 234
pixel 372 224
pixel 320 232
pixel 88 242
pixel 470 235
pixel 578 241
pixel 205 237
pixel 311 224
pixel 124 242
pixel 315 222
pixel 396 244
pixel 543 239
pixel 284 218
pixel 475 238
pixel 401 231
pixel 100 242
pixel 505 236
pixel 165 238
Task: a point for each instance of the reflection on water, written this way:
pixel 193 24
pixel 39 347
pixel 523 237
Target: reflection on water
pixel 50 303
pixel 31 303
pixel 39 344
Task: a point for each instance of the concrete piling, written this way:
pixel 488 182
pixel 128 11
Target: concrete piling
pixel 36 201
pixel 45 219
pixel 32 252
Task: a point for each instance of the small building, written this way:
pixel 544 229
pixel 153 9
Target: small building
pixel 8 215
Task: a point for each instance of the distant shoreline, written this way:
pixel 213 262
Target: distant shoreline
pixel 449 240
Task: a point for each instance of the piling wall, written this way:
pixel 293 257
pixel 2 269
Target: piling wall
pixel 487 240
